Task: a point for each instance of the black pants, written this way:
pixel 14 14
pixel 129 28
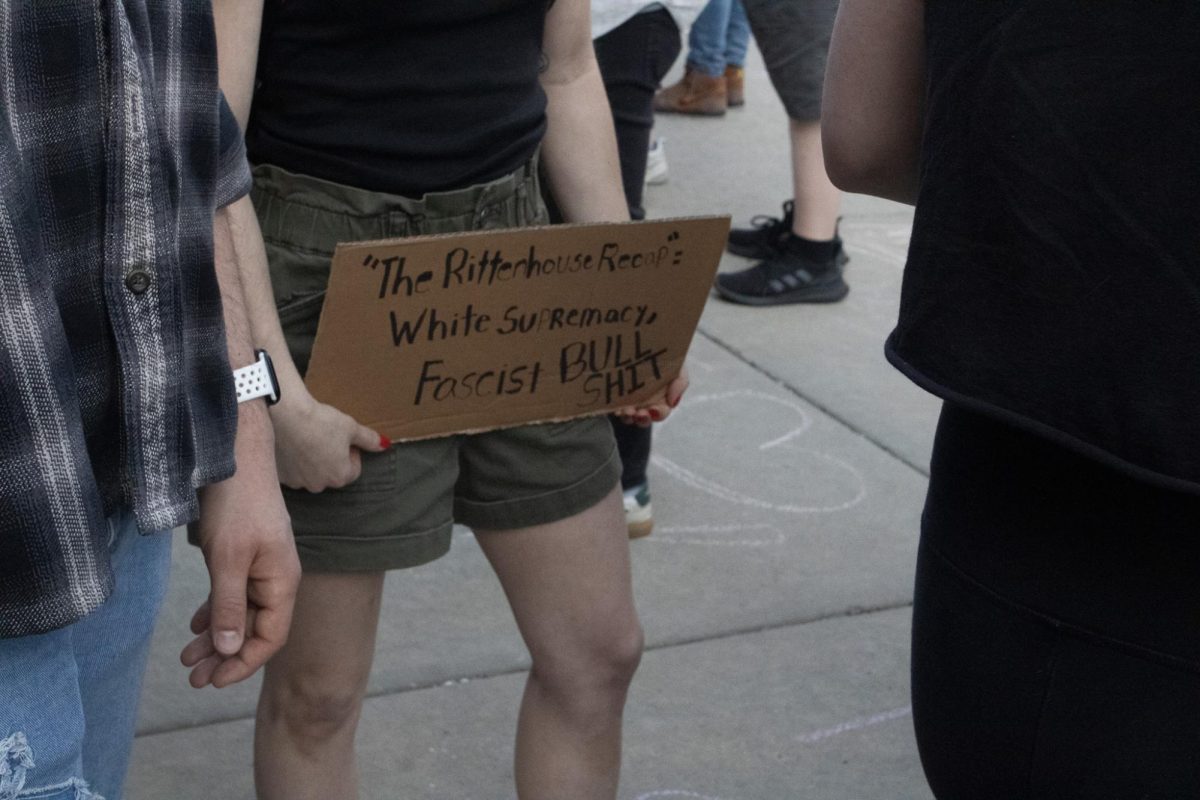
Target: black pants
pixel 633 58
pixel 1056 624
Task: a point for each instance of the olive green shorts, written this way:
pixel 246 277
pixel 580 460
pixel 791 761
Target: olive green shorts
pixel 400 511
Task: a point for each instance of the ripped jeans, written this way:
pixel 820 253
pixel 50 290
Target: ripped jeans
pixel 68 698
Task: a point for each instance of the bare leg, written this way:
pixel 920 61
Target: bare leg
pixel 313 690
pixel 570 588
pixel 818 201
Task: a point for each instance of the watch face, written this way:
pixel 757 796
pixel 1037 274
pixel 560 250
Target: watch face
pixel 275 393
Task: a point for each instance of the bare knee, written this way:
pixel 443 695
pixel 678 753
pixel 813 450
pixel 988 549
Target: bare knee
pixel 310 710
pixel 622 657
pixel 593 679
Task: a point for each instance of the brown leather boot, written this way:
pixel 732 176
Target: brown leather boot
pixel 696 93
pixel 735 85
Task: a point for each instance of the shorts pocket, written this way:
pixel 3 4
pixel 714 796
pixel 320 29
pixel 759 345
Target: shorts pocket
pixel 295 271
pixel 299 316
pixel 298 279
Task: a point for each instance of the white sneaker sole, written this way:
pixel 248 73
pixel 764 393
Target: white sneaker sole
pixel 639 530
pixel 640 521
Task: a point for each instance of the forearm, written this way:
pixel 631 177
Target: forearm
pixel 243 527
pixel 872 115
pixel 255 438
pixel 580 151
pixel 238 25
pixel 262 321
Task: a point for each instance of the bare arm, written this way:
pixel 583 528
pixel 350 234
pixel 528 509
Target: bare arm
pixel 238 24
pixel 243 529
pixel 872 114
pixel 580 148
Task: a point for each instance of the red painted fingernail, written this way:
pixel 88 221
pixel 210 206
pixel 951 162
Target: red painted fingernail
pixel 655 414
pixel 385 442
pixel 675 403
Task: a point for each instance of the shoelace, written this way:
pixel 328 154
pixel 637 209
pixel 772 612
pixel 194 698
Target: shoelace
pixel 773 224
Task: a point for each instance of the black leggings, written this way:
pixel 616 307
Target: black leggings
pixel 633 58
pixel 1056 624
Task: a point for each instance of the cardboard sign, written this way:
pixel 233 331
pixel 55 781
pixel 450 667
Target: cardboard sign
pixel 435 335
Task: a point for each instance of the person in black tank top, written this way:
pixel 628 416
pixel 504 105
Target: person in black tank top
pixel 1052 299
pixel 380 118
pixel 399 97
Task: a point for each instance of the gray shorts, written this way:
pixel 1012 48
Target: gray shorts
pixel 793 36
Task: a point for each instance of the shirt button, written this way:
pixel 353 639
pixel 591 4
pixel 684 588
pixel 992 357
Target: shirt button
pixel 137 281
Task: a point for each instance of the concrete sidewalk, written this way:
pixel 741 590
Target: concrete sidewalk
pixel 775 591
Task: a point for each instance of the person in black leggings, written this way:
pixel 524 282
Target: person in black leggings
pixel 633 59
pixel 1055 647
pixel 1052 299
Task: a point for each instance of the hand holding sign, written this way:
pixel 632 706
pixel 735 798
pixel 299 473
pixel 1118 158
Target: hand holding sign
pixel 657 408
pixel 437 335
pixel 317 447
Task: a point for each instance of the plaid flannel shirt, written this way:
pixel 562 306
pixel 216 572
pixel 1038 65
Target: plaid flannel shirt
pixel 116 149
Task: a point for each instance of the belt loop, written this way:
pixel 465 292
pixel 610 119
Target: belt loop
pixel 533 188
pixel 485 210
pixel 527 201
pixel 533 165
pixel 402 223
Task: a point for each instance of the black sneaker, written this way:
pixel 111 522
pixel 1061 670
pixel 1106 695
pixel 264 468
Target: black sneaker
pixel 786 277
pixel 767 235
pixel 764 236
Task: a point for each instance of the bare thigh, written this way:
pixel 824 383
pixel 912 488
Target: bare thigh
pixel 569 583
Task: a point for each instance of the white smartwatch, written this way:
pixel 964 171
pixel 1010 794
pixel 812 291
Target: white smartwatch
pixel 257 380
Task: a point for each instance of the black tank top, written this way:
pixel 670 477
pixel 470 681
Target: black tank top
pixel 399 96
pixel 1054 273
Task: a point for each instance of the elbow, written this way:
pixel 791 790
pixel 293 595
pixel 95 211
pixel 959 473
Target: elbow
pixel 853 165
pixel 864 177
pixel 864 167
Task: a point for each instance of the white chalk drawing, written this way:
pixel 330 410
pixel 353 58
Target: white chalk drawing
pixel 700 483
pixel 900 232
pixel 807 738
pixel 787 437
pixel 886 241
pixel 854 725
pixel 803 421
pixel 719 535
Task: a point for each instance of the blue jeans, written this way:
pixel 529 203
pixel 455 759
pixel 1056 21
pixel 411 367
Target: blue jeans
pixel 68 698
pixel 720 36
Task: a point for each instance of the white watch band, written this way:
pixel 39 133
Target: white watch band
pixel 255 381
